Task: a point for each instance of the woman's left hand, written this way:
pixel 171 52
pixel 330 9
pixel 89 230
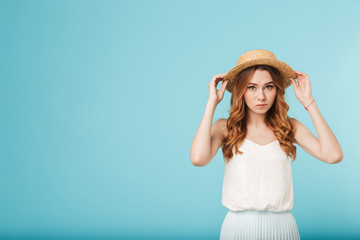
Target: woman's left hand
pixel 303 89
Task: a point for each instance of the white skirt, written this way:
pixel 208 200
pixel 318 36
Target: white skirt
pixel 251 224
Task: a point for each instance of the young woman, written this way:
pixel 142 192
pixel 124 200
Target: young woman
pixel 257 144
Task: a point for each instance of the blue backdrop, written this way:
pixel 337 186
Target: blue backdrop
pixel 100 102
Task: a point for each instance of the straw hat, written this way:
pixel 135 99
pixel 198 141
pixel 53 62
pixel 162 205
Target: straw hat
pixel 257 57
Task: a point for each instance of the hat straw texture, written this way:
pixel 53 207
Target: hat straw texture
pixel 259 57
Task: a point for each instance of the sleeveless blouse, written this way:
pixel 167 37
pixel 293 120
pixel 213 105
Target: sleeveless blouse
pixel 259 179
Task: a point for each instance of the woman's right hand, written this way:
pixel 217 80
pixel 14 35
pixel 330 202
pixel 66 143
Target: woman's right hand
pixel 216 95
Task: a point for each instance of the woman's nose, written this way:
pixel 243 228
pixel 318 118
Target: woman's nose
pixel 261 95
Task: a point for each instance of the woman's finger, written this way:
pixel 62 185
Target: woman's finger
pixel 294 82
pixel 224 85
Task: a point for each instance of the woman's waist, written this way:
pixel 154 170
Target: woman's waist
pixel 259 212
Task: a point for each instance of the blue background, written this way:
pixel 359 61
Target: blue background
pixel 100 102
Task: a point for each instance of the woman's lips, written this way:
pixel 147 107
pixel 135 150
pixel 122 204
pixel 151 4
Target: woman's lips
pixel 261 105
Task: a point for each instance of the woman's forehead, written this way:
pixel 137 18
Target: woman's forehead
pixel 260 77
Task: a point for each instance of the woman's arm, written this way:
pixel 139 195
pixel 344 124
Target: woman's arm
pixel 208 138
pixel 201 145
pixel 326 147
pixel 329 145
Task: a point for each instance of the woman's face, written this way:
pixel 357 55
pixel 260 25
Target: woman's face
pixel 260 90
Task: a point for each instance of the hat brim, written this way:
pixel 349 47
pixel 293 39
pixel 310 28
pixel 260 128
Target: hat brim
pixel 286 71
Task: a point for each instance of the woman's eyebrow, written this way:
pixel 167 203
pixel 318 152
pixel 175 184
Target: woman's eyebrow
pixel 256 84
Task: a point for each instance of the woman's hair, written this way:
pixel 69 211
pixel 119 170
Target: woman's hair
pixel 276 117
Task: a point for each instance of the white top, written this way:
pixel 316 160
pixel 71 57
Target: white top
pixel 259 179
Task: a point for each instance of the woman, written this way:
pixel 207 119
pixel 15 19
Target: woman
pixel 257 144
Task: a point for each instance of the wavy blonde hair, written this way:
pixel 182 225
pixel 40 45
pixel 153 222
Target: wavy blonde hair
pixel 276 117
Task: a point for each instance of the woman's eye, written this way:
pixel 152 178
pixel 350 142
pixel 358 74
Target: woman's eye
pixel 269 87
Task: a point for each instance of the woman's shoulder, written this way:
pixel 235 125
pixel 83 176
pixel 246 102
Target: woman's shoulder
pixel 297 125
pixel 294 122
pixel 222 123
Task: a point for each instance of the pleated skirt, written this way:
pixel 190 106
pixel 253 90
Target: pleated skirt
pixel 251 224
